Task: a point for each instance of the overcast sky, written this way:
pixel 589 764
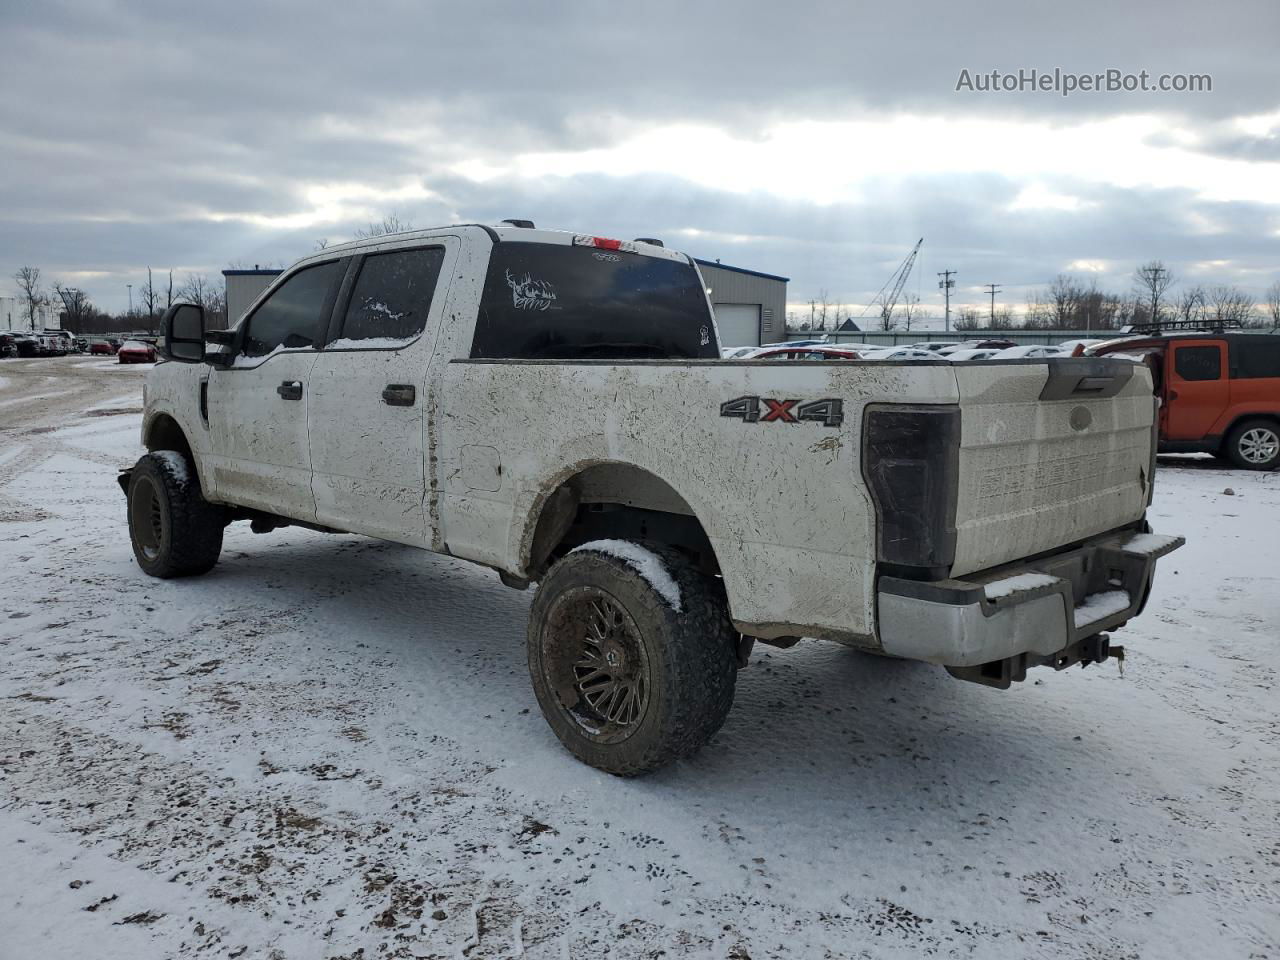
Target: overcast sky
pixel 818 141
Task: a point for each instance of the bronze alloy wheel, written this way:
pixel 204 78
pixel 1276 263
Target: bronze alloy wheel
pixel 146 517
pixel 597 664
pixel 174 531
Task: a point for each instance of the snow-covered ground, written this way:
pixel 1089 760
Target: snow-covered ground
pixel 328 747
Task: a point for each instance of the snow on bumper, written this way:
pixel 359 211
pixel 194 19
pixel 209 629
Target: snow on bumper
pixel 1036 607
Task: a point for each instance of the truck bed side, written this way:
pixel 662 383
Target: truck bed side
pixel 786 512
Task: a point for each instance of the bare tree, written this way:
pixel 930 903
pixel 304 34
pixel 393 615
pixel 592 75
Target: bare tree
pixel 322 243
pixel 168 301
pixel 1227 304
pixel 1151 281
pixel 199 290
pixel 1039 312
pixel 391 223
pixel 1003 319
pixel 1273 304
pixel 76 307
pixel 1064 301
pixel 969 318
pixel 909 309
pixel 149 299
pixel 1191 305
pixel 32 293
pixel 818 309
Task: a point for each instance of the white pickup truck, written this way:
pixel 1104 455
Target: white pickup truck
pixel 553 406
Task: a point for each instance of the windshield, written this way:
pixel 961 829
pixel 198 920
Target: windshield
pixel 553 301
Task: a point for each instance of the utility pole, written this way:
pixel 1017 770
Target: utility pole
pixel 946 283
pixel 993 289
pixel 130 286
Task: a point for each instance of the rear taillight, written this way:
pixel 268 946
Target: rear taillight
pixel 910 460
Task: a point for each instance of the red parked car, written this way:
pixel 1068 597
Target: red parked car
pixel 812 352
pixel 136 351
pixel 1220 392
pixel 107 347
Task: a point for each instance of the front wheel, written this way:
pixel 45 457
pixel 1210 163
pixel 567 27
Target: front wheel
pixel 174 530
pixel 1254 445
pixel 632 655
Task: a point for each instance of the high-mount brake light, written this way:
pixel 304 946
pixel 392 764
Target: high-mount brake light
pixel 603 243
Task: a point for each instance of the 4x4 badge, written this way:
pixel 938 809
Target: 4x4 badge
pixel 829 412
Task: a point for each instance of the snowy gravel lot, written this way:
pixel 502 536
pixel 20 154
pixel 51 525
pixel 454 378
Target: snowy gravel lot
pixel 328 747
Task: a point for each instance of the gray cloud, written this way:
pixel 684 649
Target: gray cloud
pixel 126 124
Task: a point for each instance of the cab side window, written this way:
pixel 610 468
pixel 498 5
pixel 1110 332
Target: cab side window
pixel 1198 363
pixel 391 298
pixel 293 316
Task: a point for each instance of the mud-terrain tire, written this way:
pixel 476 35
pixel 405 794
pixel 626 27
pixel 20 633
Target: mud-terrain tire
pixel 175 532
pixel 1254 445
pixel 672 665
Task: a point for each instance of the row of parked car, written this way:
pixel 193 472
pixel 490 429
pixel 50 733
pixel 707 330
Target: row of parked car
pixel 925 350
pixel 1219 390
pixel 59 343
pixel 43 343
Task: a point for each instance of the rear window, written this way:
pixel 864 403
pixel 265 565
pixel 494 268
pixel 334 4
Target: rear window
pixel 551 301
pixel 1255 356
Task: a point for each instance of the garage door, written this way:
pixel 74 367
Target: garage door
pixel 739 324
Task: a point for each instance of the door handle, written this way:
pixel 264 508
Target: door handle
pixel 290 389
pixel 399 394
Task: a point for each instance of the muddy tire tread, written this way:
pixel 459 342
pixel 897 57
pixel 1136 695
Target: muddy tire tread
pixel 193 535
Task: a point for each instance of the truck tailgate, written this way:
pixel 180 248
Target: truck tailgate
pixel 1051 452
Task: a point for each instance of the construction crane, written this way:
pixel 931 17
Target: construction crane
pixel 894 286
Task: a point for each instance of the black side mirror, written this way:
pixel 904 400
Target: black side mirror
pixel 219 346
pixel 182 333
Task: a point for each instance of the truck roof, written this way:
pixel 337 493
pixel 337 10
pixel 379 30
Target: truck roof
pixel 499 233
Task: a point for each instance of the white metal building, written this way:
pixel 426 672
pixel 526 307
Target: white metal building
pixel 243 287
pixel 13 316
pixel 750 306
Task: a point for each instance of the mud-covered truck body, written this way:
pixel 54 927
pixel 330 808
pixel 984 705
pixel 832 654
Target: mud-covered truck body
pixel 553 406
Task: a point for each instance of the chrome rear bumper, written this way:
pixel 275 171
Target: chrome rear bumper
pixel 1039 610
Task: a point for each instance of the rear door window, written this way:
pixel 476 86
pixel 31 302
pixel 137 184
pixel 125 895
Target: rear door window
pixel 1198 363
pixel 1255 356
pixel 555 301
pixel 391 298
pixel 295 313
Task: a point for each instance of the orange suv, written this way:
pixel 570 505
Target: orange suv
pixel 1220 391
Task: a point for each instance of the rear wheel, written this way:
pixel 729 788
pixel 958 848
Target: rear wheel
pixel 632 656
pixel 1254 445
pixel 175 532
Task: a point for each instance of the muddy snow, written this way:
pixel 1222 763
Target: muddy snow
pixel 328 747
